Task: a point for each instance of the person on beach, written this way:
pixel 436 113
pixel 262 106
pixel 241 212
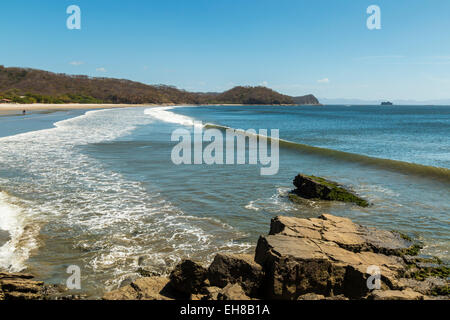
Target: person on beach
pixel 24 112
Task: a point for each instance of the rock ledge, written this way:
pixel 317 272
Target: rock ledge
pixel 324 258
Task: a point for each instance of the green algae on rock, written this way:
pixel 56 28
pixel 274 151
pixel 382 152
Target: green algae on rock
pixel 317 188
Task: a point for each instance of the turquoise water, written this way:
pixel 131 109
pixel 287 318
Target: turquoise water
pixel 98 189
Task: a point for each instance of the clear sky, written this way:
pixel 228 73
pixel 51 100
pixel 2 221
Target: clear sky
pixel 294 46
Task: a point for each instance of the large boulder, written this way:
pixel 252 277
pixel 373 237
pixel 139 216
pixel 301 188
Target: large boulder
pixel 188 277
pixel 327 255
pixel 316 188
pixel 344 233
pixel 236 268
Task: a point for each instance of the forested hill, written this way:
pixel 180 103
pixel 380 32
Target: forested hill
pixel 308 99
pixel 36 86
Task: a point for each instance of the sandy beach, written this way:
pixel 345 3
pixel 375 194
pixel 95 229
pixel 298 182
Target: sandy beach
pixel 12 108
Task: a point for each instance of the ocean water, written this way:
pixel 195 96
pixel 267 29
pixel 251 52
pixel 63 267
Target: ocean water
pixel 97 189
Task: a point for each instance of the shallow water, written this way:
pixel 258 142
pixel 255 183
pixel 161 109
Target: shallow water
pixel 99 190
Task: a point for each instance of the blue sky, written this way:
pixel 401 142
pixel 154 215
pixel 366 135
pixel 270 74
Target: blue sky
pixel 294 46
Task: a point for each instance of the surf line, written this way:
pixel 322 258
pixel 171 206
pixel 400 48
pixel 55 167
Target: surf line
pixel 424 171
pixel 214 152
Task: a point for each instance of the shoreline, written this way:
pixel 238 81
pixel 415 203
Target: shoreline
pixel 323 258
pixel 8 108
pixel 16 107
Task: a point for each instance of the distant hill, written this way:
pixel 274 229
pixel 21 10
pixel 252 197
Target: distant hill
pixel 30 86
pixel 251 95
pixel 308 99
pixel 48 87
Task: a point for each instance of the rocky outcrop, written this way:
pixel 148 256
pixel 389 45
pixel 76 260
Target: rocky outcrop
pixel 324 258
pixel 236 268
pixel 342 232
pixel 327 255
pixel 188 277
pixel 316 188
pixel 21 286
pixel 309 99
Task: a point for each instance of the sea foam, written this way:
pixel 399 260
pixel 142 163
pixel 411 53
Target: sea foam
pixel 90 214
pixel 16 250
pixel 164 114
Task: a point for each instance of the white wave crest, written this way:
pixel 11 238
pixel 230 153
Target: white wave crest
pixel 163 114
pixel 96 217
pixel 16 250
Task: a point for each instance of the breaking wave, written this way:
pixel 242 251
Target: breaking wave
pixel 86 214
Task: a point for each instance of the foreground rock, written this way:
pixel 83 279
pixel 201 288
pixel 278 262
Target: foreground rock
pixel 188 277
pixel 21 286
pixel 316 188
pixel 231 269
pixel 327 255
pixel 151 288
pixel 325 258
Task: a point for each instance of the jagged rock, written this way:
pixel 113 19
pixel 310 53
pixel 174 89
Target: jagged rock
pixel 232 292
pixel 236 268
pixel 152 288
pixel 188 277
pixel 406 294
pixel 325 258
pixel 20 286
pixel 343 232
pixel 316 188
pixel 327 255
pixel 211 293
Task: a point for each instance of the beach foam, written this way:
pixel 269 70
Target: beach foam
pixel 163 114
pixel 91 215
pixel 15 252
